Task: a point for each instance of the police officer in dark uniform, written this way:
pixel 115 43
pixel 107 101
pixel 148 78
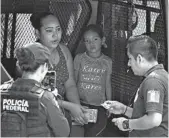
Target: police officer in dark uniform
pixel 149 115
pixel 33 60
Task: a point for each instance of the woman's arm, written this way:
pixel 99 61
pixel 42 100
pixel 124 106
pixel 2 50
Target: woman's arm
pixel 70 85
pixel 72 95
pixel 66 105
pixel 75 110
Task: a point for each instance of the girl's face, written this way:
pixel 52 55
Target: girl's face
pixel 92 41
pixel 50 32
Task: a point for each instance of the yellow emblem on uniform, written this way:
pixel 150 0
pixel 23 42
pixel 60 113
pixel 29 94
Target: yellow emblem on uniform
pixel 153 96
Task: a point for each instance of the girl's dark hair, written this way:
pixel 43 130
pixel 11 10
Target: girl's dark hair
pixel 37 17
pixel 26 60
pixel 95 28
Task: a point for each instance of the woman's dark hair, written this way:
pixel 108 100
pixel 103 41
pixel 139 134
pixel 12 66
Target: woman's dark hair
pixel 37 17
pixel 95 28
pixel 27 60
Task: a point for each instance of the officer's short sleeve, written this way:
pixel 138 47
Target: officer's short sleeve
pixel 56 120
pixel 153 94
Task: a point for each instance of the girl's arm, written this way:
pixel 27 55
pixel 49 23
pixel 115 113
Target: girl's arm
pixel 108 88
pixel 76 76
pixel 77 61
pixel 108 80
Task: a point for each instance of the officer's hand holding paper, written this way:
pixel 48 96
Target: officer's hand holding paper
pixel 114 107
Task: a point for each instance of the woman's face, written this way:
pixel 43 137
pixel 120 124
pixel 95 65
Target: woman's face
pixel 50 32
pixel 92 41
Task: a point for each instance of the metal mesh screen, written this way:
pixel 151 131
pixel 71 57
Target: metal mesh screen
pixel 120 19
pixel 141 26
pixel 16 29
pixel 24 30
pixel 76 15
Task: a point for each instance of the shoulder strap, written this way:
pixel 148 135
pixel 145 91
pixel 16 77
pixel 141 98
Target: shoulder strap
pixel 38 90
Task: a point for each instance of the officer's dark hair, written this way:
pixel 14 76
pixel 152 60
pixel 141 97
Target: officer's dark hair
pixel 95 28
pixel 143 45
pixel 27 60
pixel 36 19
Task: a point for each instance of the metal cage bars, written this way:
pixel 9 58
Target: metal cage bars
pixel 124 84
pixel 22 9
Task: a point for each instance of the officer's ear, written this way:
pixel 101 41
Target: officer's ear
pixel 45 68
pixel 140 58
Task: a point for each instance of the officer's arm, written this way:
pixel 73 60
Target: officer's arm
pixel 56 119
pixel 153 96
pixel 152 119
pixel 128 111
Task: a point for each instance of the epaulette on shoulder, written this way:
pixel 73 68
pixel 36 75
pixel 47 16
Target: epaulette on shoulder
pixel 38 89
pixel 153 74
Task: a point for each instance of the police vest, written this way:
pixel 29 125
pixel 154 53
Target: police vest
pixel 20 113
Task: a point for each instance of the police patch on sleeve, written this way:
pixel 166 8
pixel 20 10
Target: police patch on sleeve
pixel 153 96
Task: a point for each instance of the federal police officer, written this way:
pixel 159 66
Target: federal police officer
pixel 33 60
pixel 149 116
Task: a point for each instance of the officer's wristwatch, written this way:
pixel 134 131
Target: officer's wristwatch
pixel 126 124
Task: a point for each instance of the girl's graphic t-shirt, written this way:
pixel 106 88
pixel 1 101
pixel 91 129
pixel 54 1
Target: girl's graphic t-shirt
pixel 92 73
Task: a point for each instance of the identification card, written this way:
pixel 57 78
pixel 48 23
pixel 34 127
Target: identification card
pixel 92 115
